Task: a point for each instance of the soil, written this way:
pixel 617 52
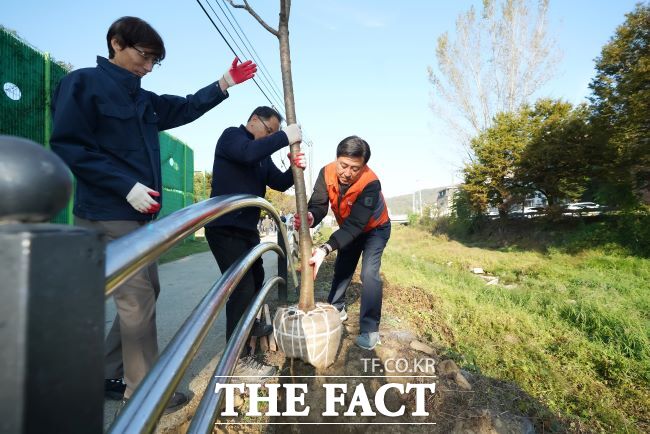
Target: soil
pixel 491 406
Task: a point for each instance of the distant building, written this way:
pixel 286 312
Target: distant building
pixel 445 201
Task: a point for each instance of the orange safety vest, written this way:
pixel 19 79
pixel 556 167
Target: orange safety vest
pixel 342 208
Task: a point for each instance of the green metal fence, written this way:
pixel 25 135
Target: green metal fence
pixel 28 79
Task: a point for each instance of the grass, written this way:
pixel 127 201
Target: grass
pixel 186 248
pixel 571 329
pixel 322 235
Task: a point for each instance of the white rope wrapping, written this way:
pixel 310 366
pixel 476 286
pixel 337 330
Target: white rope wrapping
pixel 312 336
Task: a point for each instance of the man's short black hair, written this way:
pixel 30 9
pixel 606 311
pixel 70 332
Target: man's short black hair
pixel 265 112
pixel 353 146
pixel 130 31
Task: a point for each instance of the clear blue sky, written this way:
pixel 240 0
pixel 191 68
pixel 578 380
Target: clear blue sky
pixel 359 67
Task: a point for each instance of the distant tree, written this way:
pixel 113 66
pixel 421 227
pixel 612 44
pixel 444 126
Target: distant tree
pixel 281 201
pixel 490 177
pixel 496 62
pixel 463 207
pixel 544 148
pixel 557 159
pixel 202 185
pixel 621 110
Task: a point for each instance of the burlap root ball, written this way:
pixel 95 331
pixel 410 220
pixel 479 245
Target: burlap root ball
pixel 312 336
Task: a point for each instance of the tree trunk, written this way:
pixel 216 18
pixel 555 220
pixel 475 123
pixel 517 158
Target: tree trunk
pixel 306 302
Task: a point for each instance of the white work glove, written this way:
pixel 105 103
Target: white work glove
pixel 317 258
pixel 294 133
pixel 140 198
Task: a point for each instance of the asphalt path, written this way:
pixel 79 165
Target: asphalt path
pixel 183 284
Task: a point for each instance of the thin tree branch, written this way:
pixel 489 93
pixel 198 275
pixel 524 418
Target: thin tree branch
pixel 254 14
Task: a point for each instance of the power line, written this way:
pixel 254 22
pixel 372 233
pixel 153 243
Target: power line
pixel 278 101
pixel 261 75
pixel 235 42
pixel 263 69
pixel 307 143
pixel 230 46
pixel 248 45
pixel 238 47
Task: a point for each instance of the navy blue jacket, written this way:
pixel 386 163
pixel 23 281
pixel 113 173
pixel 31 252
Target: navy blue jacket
pixel 106 129
pixel 243 165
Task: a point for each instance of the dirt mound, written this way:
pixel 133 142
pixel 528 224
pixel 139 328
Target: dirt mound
pixel 463 402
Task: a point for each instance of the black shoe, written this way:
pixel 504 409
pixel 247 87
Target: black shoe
pixel 176 402
pixel 260 330
pixel 114 388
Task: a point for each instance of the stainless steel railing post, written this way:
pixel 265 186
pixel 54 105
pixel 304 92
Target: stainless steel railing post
pixel 147 404
pixel 203 419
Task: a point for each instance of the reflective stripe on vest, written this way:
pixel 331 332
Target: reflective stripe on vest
pixel 342 208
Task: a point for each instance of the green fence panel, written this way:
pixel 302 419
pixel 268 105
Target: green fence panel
pixel 28 79
pixel 22 78
pixel 189 174
pixel 171 158
pixel 172 201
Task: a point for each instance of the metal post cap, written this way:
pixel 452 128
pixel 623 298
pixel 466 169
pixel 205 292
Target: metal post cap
pixel 35 184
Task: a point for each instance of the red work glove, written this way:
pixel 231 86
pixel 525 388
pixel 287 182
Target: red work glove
pixel 299 161
pixel 155 207
pixel 239 73
pixel 141 199
pixel 296 220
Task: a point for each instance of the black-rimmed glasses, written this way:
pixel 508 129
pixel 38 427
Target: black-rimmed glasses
pixel 266 127
pixel 155 61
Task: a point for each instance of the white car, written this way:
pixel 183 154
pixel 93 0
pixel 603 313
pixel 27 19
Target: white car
pixel 583 208
pixel 576 206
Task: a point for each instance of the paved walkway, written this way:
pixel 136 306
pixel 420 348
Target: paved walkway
pixel 183 283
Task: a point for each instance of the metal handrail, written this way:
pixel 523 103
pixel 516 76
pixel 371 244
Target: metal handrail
pixel 129 254
pixel 146 406
pixel 206 413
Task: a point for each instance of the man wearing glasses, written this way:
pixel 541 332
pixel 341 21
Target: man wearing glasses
pixel 106 129
pixel 243 165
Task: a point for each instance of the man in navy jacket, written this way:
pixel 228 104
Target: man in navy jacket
pixel 106 129
pixel 243 165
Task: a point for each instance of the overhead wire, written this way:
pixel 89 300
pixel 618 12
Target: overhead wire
pixel 269 84
pixel 241 51
pixel 230 46
pixel 235 42
pixel 258 59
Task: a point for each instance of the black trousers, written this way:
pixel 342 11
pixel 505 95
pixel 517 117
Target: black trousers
pixel 228 245
pixel 372 245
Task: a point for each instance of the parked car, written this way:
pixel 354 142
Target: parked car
pixel 583 208
pixel 534 211
pixel 582 205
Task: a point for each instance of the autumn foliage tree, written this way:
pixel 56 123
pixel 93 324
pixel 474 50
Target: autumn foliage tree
pixel 545 148
pixel 490 177
pixel 621 111
pixel 559 153
pixel 281 201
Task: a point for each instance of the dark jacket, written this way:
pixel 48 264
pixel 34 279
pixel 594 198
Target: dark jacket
pixel 106 129
pixel 360 214
pixel 243 165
